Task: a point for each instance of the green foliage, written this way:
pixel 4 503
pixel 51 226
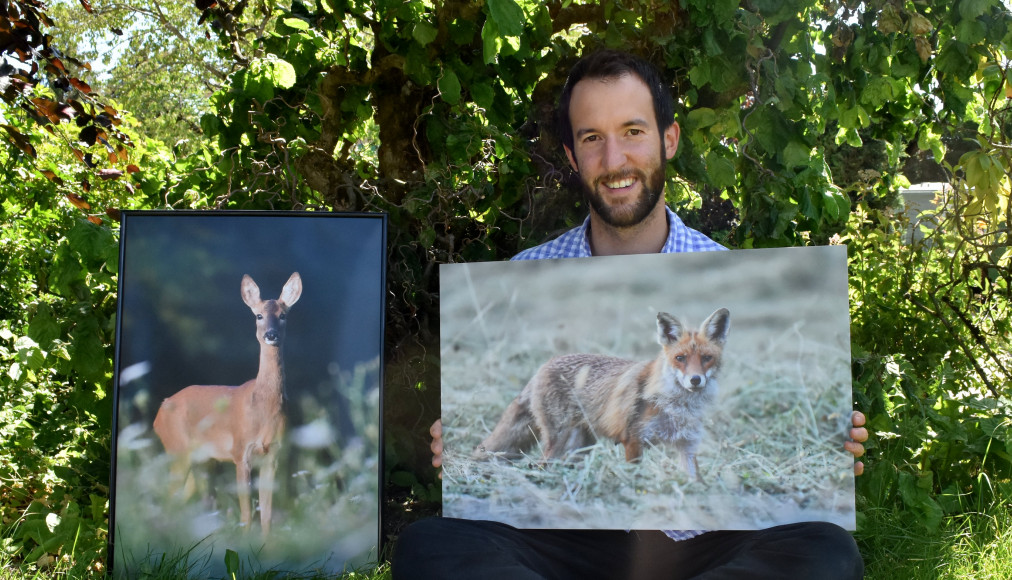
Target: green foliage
pixel 797 120
pixel 153 59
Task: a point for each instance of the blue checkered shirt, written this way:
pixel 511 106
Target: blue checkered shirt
pixel 574 244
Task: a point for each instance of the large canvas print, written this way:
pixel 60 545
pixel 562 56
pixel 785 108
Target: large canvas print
pixel 697 391
pixel 247 391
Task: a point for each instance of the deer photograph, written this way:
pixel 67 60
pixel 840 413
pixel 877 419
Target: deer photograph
pixel 247 391
pixel 241 424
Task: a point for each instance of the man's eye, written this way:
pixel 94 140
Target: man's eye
pixel 590 138
pixel 635 131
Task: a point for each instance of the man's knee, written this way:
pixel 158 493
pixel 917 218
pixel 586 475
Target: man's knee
pixel 414 547
pixel 834 550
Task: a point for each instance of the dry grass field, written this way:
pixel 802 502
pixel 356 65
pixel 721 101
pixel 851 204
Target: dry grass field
pixel 773 446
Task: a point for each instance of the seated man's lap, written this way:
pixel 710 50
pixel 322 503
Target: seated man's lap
pixel 450 548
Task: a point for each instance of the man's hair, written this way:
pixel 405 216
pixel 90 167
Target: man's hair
pixel 610 64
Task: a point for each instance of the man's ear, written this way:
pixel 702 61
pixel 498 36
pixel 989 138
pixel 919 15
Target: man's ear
pixel 572 158
pixel 671 136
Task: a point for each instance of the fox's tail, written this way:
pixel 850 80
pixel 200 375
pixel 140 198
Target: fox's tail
pixel 512 435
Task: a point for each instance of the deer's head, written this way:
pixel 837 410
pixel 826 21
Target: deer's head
pixel 271 315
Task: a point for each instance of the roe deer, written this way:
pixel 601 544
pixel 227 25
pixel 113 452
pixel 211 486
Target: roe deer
pixel 239 423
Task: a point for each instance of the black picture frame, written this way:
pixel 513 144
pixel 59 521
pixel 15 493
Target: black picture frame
pixel 185 317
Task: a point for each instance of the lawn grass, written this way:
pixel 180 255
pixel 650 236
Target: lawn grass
pixel 974 545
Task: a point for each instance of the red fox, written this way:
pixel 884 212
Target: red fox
pixel 574 399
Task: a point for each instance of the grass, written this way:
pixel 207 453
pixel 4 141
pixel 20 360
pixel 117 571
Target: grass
pixel 974 545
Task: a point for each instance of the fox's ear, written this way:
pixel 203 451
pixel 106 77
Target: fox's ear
pixel 716 326
pixel 669 329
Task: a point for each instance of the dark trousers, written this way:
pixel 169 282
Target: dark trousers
pixel 451 548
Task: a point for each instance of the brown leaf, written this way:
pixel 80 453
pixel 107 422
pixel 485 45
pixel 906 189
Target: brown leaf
pixel 52 176
pixel 20 141
pixel 85 185
pixel 78 201
pixel 113 213
pixel 81 86
pixel 87 5
pixel 95 220
pixel 132 168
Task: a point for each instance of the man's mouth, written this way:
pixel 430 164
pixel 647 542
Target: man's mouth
pixel 619 183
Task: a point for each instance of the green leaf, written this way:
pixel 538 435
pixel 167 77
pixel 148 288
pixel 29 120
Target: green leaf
pixel 508 16
pixel 424 33
pixel 490 41
pixel 296 23
pixel 971 9
pixel 232 563
pixel 449 86
pixel 88 351
pixel 483 94
pixel 701 118
pixel 43 328
pixel 954 59
pixel 720 170
pixel 797 154
pixel 282 73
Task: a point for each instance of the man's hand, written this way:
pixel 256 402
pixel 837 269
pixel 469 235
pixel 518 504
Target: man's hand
pixel 858 435
pixel 437 443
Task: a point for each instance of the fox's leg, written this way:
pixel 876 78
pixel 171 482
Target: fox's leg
pixel 512 434
pixel 687 448
pixel 633 449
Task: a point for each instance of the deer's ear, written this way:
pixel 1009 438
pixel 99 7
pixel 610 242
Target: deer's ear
pixel 250 291
pixel 292 290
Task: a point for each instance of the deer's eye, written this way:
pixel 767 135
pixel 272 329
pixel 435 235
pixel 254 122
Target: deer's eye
pixel 260 316
pixel 281 316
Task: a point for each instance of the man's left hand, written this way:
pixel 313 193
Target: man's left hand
pixel 858 435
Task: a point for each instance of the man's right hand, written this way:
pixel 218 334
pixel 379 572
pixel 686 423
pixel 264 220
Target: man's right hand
pixel 437 445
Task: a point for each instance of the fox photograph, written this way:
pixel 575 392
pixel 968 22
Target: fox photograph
pixel 668 391
pixel 248 372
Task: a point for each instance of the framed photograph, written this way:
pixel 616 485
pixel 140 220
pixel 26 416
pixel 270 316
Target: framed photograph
pixel 698 391
pixel 247 392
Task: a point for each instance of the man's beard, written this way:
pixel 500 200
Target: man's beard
pixel 627 215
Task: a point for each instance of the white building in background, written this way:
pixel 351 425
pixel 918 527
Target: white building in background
pixel 918 199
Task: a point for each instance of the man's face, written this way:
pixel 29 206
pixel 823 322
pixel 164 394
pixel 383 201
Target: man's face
pixel 617 148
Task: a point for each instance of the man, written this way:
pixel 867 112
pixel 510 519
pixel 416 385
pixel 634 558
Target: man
pixel 618 130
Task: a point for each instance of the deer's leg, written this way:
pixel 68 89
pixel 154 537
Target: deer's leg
pixel 267 469
pixel 242 469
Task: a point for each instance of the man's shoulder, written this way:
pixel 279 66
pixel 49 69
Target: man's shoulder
pixel 572 244
pixel 682 238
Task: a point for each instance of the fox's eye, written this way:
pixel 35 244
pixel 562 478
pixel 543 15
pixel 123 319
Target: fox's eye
pixel 680 358
pixel 706 358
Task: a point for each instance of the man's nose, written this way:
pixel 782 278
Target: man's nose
pixel 614 155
